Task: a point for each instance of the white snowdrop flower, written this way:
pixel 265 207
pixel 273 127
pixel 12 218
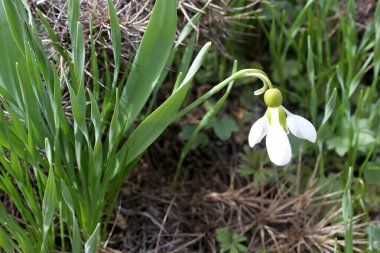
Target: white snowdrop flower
pixel 275 125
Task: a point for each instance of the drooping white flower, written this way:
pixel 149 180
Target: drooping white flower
pixel 275 125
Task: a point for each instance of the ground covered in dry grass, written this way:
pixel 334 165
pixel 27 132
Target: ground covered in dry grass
pixel 284 215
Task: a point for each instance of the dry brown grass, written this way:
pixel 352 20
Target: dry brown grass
pixel 216 26
pixel 289 216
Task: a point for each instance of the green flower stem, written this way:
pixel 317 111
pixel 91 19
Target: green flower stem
pixel 240 74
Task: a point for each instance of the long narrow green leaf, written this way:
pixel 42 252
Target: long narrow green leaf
pixel 14 21
pixel 95 116
pixel 73 15
pixel 67 196
pixel 116 37
pixel 10 189
pixel 149 130
pixel 78 103
pixel 347 214
pixel 79 55
pixel 35 98
pixel 186 31
pixel 208 116
pixel 297 23
pixel 98 149
pixel 19 128
pixel 114 130
pixel 376 57
pixel 189 27
pixel 344 95
pixel 355 81
pixel 23 241
pixel 329 107
pixel 311 76
pixel 94 65
pixel 48 207
pixel 75 238
pixel 24 86
pixel 20 175
pixel 92 243
pixel 54 39
pixel 6 242
pixel 187 55
pixel 149 61
pixel 10 54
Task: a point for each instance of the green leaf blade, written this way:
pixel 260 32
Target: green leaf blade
pixel 158 121
pixel 92 243
pixel 48 207
pixel 150 60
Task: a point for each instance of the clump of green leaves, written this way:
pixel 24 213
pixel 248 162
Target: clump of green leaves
pixel 253 163
pixel 63 168
pixel 76 162
pixel 224 127
pixel 231 243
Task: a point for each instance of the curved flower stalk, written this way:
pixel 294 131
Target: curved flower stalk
pixel 239 74
pixel 275 125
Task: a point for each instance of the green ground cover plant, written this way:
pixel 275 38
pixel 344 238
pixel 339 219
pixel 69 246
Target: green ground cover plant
pixel 75 164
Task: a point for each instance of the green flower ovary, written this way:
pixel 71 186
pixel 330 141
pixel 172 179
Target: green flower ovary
pixel 273 97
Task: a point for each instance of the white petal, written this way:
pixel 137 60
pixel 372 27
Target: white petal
pixel 258 131
pixel 301 127
pixel 278 146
